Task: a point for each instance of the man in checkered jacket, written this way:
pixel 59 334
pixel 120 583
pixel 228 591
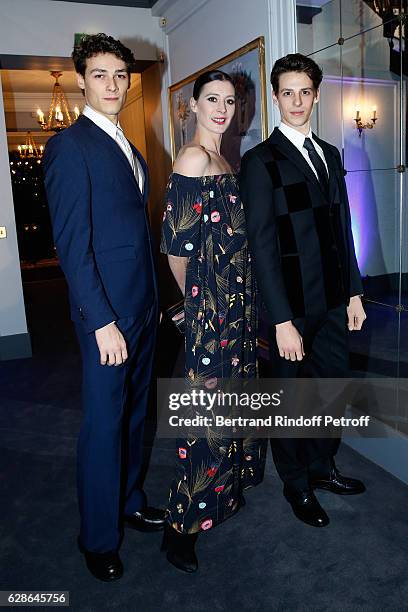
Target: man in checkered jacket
pixel 299 232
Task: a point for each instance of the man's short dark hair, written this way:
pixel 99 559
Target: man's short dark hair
pixel 296 62
pixel 94 44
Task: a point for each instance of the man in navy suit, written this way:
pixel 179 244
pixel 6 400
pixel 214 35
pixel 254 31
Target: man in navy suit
pixel 97 186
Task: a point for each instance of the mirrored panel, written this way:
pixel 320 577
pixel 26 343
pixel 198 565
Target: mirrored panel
pixel 404 251
pixel 327 116
pixel 374 350
pixel 358 16
pixel 403 347
pixel 370 102
pixel 374 206
pixel 318 24
pixel 403 372
pixel 362 111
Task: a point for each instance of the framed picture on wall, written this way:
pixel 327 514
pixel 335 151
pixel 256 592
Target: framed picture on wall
pixel 246 66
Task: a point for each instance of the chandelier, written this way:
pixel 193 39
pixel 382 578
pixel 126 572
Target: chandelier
pixel 59 116
pixel 29 149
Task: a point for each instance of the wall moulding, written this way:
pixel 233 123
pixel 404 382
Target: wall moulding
pixel 282 36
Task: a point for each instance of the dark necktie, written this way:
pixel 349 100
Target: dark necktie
pixel 317 164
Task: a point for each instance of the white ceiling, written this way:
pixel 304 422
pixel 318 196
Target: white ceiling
pixel 36 81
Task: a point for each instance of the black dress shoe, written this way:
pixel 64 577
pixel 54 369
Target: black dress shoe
pixel 306 507
pixel 105 566
pixel 148 519
pixel 179 549
pixel 336 483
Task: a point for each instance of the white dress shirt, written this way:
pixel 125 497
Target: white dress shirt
pixel 298 139
pixel 113 131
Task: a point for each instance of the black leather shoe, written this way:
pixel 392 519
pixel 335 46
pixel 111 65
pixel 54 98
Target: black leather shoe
pixel 179 549
pixel 105 566
pixel 306 507
pixel 148 519
pixel 336 483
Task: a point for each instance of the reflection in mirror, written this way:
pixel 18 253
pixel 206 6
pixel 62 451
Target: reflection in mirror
pixel 357 45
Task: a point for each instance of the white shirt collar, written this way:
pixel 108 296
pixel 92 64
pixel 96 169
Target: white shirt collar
pixel 294 136
pixel 101 121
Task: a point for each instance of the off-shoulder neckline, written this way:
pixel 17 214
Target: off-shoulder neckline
pixel 204 175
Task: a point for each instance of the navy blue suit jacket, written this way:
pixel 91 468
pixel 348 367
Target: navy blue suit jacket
pixel 100 225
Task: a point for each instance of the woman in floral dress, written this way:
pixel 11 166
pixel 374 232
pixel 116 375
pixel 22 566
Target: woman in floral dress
pixel 204 237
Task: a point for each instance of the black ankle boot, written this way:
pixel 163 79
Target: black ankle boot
pixel 179 549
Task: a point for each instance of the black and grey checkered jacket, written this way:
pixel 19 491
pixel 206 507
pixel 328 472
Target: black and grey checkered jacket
pixel 299 235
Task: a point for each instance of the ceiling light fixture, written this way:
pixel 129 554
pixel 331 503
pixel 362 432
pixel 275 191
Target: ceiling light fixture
pixel 59 116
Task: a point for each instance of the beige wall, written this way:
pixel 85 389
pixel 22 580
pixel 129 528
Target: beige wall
pixel 157 158
pixel 132 117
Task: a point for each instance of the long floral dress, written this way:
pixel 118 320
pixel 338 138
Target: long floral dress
pixel 204 221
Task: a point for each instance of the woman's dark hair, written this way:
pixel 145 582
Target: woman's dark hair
pixel 296 62
pixel 94 44
pixel 207 77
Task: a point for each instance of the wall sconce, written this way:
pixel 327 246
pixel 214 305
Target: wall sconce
pixel 360 126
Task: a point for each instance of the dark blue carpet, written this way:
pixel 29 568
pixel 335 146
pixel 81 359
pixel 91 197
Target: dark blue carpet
pixel 263 559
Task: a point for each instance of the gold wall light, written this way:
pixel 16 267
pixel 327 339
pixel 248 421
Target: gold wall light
pixel 360 125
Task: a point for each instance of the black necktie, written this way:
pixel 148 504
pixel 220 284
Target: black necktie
pixel 317 164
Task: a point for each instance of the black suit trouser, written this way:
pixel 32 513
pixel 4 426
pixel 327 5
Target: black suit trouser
pixel 325 341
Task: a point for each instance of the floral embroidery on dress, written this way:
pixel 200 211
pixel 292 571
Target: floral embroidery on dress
pixel 205 222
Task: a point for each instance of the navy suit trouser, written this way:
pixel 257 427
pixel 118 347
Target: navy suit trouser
pixel 110 445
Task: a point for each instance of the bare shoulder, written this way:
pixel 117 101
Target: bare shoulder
pixel 192 160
